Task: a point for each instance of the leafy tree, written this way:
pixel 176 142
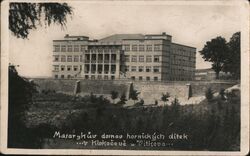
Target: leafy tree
pixel 114 95
pixel 232 62
pixel 26 16
pixel 215 51
pixel 209 94
pixel 165 97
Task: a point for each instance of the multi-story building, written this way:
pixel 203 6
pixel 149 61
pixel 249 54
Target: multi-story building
pixel 123 56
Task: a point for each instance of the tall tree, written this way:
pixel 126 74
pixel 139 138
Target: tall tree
pixel 232 62
pixel 215 51
pixel 26 16
pixel 22 18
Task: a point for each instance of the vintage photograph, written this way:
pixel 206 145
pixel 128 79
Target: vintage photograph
pixel 126 75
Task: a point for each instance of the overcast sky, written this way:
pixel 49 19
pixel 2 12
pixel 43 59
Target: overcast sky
pixel 191 25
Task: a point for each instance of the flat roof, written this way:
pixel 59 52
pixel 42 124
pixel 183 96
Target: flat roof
pixel 183 45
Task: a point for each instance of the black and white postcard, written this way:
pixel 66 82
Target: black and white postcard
pixel 125 77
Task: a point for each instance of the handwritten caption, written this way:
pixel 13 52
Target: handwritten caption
pixel 122 140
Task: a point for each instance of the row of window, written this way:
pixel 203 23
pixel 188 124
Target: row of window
pixel 157 47
pixel 142 69
pixel 141 58
pixel 105 50
pixel 69 48
pixel 64 76
pixel 183 52
pixel 147 78
pixel 68 68
pixel 69 58
pixel 99 77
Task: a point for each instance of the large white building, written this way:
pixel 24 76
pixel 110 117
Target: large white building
pixel 151 57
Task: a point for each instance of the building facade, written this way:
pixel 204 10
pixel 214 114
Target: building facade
pixel 140 57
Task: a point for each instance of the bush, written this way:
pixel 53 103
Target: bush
pixel 222 93
pixel 209 94
pixel 140 103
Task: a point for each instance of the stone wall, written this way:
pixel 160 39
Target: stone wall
pixel 86 86
pixel 149 91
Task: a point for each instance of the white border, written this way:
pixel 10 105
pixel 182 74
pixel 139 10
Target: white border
pixel 244 85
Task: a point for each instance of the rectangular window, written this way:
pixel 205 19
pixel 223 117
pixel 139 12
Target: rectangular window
pixel 134 47
pixel 106 77
pixel 141 58
pixel 157 58
pixel 56 76
pixel 68 68
pixel 76 48
pixel 63 48
pixel 156 69
pixel 149 47
pixel 70 48
pixel 127 47
pixel 149 59
pixel 76 58
pixel 133 68
pixel 56 48
pixel 132 77
pixel 134 58
pixel 69 58
pixel 127 59
pixel 155 78
pixel 100 50
pixel 56 67
pixel 148 78
pixel 126 68
pixel 140 78
pixel 75 68
pixel 148 69
pixel 81 58
pixel 82 48
pixel 56 58
pixel 63 58
pixel 141 47
pixel 141 68
pixel 157 47
pixel 62 76
pixel 62 67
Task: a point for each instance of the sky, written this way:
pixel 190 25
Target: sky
pixel 191 25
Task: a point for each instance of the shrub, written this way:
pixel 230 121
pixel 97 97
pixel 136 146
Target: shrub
pixel 222 93
pixel 140 103
pixel 165 97
pixel 209 94
pixel 114 95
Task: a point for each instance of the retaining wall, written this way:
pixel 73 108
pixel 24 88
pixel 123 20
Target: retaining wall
pixel 148 90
